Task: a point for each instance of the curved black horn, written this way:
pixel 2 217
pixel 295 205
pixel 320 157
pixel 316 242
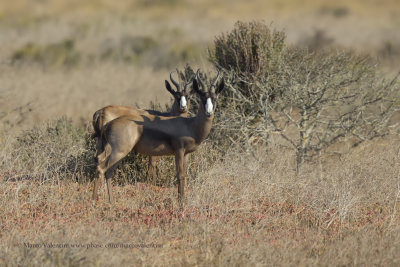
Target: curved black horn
pixel 174 82
pixel 199 79
pixel 214 83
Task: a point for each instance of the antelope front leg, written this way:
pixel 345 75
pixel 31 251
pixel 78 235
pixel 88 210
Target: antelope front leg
pixel 110 197
pixel 185 166
pixel 180 174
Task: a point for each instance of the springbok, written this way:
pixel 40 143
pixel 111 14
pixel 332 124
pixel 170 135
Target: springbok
pixel 154 135
pixel 180 107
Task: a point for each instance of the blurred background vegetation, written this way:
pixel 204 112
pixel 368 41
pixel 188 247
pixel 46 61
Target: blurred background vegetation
pixel 56 55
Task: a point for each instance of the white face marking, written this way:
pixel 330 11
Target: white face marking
pixel 183 103
pixel 209 106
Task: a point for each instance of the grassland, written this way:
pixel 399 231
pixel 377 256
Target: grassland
pixel 69 58
pixel 239 211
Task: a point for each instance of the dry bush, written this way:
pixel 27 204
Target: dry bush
pixel 337 96
pixel 56 150
pixel 312 99
pixel 250 57
pixel 251 51
pixel 15 117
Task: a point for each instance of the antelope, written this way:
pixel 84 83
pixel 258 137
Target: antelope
pixel 180 107
pixel 155 135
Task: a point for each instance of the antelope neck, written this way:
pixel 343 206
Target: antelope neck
pixel 202 124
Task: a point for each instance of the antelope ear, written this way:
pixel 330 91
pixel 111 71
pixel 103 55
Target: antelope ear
pixel 220 86
pixel 169 88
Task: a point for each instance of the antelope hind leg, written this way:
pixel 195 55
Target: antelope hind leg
pixel 100 169
pixel 112 162
pixel 97 180
pixel 109 174
pixel 99 150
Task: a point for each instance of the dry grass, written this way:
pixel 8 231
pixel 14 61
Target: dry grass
pixel 27 100
pixel 239 211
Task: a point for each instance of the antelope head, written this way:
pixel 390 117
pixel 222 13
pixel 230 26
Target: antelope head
pixel 181 97
pixel 208 97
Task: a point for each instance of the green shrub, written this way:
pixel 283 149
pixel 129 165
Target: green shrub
pixel 57 54
pixel 129 49
pixel 146 50
pixel 157 3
